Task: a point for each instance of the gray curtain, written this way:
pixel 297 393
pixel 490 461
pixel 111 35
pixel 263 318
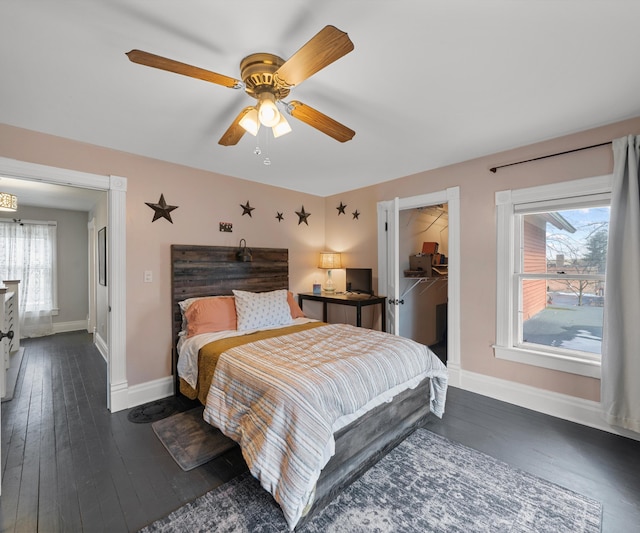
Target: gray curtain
pixel 620 384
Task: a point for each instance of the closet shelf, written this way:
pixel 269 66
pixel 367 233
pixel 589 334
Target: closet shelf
pixel 417 281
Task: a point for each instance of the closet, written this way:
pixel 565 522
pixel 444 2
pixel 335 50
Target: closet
pixel 423 277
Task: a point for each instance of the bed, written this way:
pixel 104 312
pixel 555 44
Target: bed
pixel 359 439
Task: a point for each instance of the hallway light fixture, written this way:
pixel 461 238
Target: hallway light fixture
pixel 8 202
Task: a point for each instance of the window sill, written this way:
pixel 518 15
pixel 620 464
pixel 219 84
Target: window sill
pixel 572 365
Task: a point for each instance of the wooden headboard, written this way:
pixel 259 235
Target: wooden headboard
pixel 216 271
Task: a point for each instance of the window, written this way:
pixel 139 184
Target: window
pixel 28 254
pixel 552 245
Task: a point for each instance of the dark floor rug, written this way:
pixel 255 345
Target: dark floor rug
pixel 426 484
pixel 190 440
pixel 159 409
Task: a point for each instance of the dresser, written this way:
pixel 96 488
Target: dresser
pixel 9 322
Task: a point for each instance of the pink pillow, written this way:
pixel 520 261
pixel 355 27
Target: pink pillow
pixel 208 315
pixel 296 312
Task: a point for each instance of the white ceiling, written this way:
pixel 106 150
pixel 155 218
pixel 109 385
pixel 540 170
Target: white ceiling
pixel 38 194
pixel 430 82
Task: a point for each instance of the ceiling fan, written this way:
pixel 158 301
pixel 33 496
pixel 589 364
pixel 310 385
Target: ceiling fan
pixel 269 78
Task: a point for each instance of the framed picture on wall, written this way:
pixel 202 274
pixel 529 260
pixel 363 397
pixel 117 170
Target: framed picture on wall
pixel 102 256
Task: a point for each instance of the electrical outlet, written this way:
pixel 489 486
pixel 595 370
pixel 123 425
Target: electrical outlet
pixel 226 227
pixel 148 276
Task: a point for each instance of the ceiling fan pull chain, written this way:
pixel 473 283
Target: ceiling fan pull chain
pixel 266 159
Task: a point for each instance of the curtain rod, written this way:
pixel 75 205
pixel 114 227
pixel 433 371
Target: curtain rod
pixel 494 169
pixel 22 221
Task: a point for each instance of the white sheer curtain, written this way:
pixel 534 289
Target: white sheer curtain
pixel 28 255
pixel 620 383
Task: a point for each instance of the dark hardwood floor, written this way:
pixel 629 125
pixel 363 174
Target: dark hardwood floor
pixel 70 465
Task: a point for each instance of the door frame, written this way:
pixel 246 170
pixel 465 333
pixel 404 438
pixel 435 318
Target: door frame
pixel 116 187
pixel 92 278
pixel 386 245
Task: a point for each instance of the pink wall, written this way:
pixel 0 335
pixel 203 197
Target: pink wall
pixel 478 237
pixel 204 200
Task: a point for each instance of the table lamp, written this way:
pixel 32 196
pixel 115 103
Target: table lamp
pixel 329 260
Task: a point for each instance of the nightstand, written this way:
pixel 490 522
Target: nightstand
pixel 354 300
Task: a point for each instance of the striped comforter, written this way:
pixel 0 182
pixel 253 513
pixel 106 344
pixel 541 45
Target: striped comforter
pixel 280 398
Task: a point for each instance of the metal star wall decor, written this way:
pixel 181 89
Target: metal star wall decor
pixel 356 215
pixel 161 209
pixel 341 209
pixel 246 209
pixel 279 216
pixel 302 216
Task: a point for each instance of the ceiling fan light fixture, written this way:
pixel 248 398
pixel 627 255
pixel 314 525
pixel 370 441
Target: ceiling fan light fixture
pixel 250 121
pixel 281 128
pixel 267 111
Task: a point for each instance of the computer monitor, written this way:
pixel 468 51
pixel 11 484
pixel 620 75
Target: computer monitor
pixel 359 280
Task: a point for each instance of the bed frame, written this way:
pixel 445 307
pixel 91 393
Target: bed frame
pixel 216 271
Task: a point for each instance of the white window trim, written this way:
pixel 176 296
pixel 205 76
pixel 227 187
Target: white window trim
pixel 507 203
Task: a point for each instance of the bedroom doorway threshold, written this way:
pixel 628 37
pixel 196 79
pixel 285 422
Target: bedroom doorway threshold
pixel 389 268
pixel 116 188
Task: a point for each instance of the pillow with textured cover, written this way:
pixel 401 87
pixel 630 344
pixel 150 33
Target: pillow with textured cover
pixel 210 314
pixel 256 310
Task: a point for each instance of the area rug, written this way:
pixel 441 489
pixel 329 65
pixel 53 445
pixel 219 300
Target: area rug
pixel 190 440
pixel 159 409
pixel 426 484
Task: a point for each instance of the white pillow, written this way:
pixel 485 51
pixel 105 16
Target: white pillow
pixel 256 310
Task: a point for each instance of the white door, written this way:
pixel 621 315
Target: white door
pixel 388 252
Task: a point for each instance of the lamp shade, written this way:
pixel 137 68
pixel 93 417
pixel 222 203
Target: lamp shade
pixel 281 128
pixel 8 202
pixel 250 121
pixel 267 111
pixel 330 260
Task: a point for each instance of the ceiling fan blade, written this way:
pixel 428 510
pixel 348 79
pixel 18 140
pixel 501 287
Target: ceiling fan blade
pixel 320 121
pixel 152 60
pixel 235 132
pixel 327 46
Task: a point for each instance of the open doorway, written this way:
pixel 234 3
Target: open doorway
pixel 115 216
pixel 393 260
pixel 423 235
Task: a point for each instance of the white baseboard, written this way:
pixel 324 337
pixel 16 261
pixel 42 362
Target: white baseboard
pixel 119 397
pixel 585 412
pixel 454 374
pixel 123 396
pixel 150 391
pixel 64 327
pixel 101 344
